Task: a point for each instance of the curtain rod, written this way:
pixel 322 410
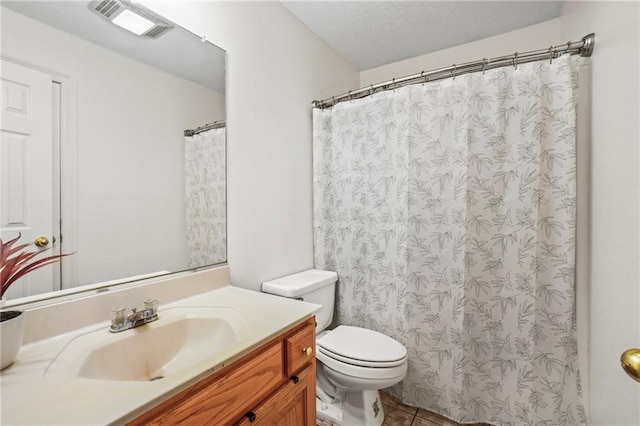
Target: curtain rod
pixel 583 48
pixel 215 125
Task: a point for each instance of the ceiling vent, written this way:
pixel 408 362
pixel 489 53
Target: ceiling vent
pixel 132 17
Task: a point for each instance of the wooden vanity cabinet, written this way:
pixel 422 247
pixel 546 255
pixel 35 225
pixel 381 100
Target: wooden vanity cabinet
pixel 290 405
pixel 273 385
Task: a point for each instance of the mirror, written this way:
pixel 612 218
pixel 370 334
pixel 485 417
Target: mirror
pixel 94 157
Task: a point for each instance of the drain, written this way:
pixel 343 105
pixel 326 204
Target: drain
pixel 153 379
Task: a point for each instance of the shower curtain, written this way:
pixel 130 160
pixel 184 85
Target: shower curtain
pixel 205 197
pixel 448 210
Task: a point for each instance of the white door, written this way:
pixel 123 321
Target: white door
pixel 26 151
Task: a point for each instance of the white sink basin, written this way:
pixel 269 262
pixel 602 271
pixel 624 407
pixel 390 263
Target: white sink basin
pixel 179 339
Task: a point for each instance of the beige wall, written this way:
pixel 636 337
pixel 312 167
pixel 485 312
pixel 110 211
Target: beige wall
pixel 276 67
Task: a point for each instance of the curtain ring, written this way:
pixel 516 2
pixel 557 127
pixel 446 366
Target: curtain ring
pixel 393 83
pixel 453 71
pixel 515 61
pixel 424 77
pixel 372 90
pixel 484 64
pixel 349 93
pixel 552 51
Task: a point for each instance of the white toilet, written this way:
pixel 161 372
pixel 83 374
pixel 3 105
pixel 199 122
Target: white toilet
pixel 353 362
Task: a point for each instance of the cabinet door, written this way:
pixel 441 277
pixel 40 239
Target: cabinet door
pixel 293 404
pixel 221 401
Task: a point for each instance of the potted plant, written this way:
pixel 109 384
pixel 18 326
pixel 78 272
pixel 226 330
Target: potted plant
pixel 16 262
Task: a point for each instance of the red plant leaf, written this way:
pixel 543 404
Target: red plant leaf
pixel 29 268
pixel 5 248
pixel 20 247
pixel 19 259
pixel 25 257
pixel 8 268
pixel 37 264
pixel 9 243
pixel 14 262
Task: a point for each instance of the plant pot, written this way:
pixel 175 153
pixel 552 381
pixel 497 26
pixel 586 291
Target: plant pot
pixel 11 331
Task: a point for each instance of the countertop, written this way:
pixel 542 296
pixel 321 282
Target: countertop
pixel 29 396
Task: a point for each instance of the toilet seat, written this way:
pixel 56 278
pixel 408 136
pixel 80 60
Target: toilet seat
pixel 359 362
pixel 361 346
pixel 370 373
pixel 359 352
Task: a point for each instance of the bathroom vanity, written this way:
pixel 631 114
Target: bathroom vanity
pixel 221 355
pixel 275 381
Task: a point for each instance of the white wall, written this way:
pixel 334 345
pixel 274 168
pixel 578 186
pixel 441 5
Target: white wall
pixel 528 38
pixel 614 215
pixel 608 279
pixel 130 119
pixel 276 67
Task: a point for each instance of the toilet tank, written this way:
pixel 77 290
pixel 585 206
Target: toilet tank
pixel 313 286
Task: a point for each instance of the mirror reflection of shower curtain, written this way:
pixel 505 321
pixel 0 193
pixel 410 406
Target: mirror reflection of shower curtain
pixel 205 197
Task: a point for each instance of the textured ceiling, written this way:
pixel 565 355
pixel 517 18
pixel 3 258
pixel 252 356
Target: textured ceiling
pixel 373 33
pixel 178 51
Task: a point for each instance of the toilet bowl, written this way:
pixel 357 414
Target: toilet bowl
pixel 353 363
pixel 358 362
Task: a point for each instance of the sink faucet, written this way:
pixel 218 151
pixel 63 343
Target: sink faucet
pixel 121 322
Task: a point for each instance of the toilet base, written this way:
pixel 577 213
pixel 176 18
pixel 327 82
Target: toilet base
pixel 363 408
pixel 331 412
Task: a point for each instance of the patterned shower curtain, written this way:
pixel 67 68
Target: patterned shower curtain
pixel 449 212
pixel 205 197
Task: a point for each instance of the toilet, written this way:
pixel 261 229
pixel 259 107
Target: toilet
pixel 353 363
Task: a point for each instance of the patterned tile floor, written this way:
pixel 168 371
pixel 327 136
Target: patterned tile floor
pixel 399 414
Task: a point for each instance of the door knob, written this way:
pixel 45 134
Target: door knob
pixel 630 361
pixel 41 241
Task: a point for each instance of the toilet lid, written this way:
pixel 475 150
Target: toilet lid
pixel 357 362
pixel 362 344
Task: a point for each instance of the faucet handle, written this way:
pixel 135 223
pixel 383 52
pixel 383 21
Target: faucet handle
pixel 152 305
pixel 118 315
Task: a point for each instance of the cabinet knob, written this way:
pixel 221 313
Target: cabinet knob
pixel 307 351
pixel 251 416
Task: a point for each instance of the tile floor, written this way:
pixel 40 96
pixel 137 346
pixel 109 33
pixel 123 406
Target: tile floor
pixel 399 414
